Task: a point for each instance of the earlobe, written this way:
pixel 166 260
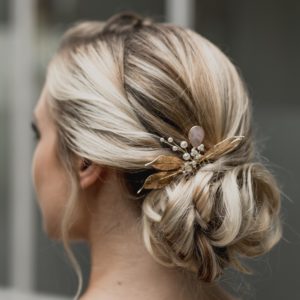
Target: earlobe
pixel 88 174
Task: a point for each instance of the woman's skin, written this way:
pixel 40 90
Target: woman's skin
pixel 121 268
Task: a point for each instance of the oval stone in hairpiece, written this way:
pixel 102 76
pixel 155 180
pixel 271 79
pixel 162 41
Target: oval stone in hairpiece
pixel 196 135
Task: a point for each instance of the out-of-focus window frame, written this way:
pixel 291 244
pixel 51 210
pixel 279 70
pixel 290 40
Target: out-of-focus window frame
pixel 4 12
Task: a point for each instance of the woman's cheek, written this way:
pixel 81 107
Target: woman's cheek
pixel 39 173
pixel 34 171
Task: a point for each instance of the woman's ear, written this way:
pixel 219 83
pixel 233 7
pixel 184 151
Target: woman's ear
pixel 89 173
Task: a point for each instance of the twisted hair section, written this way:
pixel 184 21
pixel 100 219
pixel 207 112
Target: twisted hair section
pixel 205 223
pixel 115 87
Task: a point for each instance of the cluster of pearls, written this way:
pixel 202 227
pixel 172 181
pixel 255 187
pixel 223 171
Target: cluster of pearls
pixel 191 157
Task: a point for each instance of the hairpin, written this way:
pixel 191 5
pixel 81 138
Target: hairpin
pixel 190 160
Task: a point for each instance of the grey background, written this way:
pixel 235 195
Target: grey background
pixel 262 39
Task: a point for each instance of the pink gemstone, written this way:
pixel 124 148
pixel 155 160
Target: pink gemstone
pixel 196 135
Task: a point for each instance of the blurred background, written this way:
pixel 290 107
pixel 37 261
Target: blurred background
pixel 260 36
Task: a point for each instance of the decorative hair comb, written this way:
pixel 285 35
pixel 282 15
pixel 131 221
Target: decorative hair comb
pixel 170 166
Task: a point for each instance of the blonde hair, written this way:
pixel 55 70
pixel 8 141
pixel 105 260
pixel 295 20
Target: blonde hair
pixel 115 87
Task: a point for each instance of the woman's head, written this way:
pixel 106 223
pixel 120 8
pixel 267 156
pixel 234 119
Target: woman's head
pixel 114 88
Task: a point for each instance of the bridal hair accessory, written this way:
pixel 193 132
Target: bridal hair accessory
pixel 190 161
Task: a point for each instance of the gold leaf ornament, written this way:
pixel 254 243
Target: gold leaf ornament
pixel 158 180
pixel 170 165
pixel 222 148
pixel 166 162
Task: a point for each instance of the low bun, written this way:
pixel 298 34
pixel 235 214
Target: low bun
pixel 205 224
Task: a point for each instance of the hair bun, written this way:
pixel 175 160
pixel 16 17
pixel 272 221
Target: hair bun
pixel 206 224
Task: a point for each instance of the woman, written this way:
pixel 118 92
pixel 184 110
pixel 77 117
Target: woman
pixel 146 152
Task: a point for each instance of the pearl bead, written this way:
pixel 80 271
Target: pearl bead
pixel 170 139
pixel 186 156
pixel 194 152
pixel 174 148
pixel 162 139
pixel 201 147
pixel 183 144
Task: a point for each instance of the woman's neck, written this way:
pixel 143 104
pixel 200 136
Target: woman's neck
pixel 121 267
